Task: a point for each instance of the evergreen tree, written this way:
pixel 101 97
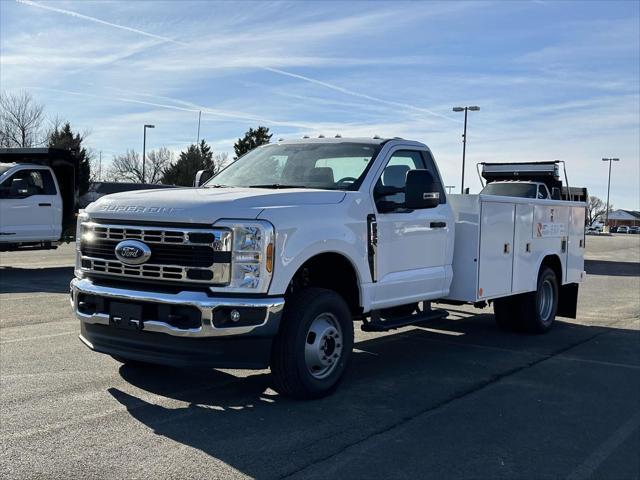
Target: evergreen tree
pixel 252 139
pixel 196 157
pixel 64 138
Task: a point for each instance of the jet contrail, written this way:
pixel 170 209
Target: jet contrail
pixel 358 94
pixel 97 20
pixel 330 86
pixel 189 107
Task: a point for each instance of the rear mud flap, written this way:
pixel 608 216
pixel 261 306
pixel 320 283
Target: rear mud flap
pixel 568 301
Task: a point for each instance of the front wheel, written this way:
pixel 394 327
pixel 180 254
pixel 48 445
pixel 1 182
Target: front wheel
pixel 313 347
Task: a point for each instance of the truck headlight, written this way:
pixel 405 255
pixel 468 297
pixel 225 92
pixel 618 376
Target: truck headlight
pixel 82 217
pixel 251 256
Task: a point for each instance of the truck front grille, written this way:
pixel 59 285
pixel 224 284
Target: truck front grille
pixel 177 254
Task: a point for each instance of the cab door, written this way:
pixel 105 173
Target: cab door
pixel 413 251
pixel 30 207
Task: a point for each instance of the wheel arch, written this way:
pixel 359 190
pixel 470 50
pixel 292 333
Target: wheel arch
pixel 331 270
pixel 554 262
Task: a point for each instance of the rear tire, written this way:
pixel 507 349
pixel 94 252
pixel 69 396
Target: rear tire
pixel 313 347
pixel 532 312
pixel 506 313
pixel 539 308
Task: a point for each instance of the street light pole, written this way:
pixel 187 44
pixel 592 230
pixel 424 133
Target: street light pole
pixel 144 148
pixel 199 117
pixel 464 137
pixel 606 221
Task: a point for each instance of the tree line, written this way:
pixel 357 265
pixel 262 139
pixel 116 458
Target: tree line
pixel 22 125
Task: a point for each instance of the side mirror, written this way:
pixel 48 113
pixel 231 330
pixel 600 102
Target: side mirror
pixel 421 190
pixel 202 177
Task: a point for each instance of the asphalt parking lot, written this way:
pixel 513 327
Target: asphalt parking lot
pixel 457 399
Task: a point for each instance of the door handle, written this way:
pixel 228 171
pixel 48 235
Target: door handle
pixel 44 204
pixel 438 224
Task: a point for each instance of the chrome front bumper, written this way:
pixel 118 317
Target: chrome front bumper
pixel 199 300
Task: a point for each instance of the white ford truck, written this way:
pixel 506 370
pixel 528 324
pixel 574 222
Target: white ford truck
pixel 271 261
pixel 30 206
pixel 38 188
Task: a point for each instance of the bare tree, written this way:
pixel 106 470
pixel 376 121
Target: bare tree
pixel 596 210
pixel 21 120
pixel 157 162
pixel 128 167
pixel 220 160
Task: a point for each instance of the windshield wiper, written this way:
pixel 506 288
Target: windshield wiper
pixel 215 185
pixel 277 185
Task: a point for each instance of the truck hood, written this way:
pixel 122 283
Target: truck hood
pixel 203 205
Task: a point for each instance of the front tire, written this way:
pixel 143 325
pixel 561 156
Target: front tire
pixel 313 347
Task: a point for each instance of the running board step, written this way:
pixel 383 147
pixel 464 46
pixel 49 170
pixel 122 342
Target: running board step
pixel 378 325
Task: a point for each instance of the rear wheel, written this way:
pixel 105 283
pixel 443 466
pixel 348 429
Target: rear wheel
pixel 313 347
pixel 532 312
pixel 540 307
pixel 506 312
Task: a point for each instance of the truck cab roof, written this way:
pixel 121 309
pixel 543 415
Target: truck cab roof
pixel 364 140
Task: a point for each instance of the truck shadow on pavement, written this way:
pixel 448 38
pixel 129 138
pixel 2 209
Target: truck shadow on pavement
pixel 32 280
pixel 432 376
pixel 612 268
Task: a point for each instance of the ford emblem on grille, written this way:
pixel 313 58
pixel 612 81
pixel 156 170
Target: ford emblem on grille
pixel 132 252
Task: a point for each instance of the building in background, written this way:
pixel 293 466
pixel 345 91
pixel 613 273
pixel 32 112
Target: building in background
pixel 629 218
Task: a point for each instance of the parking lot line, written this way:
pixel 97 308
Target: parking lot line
pixel 606 448
pixel 37 337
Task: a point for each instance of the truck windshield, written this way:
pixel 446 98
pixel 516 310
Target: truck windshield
pixel 523 190
pixel 331 166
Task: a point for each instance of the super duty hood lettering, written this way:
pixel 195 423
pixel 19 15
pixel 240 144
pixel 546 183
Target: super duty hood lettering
pixel 111 207
pixel 204 205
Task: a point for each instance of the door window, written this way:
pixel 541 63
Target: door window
pixel 395 175
pixel 543 193
pixel 25 183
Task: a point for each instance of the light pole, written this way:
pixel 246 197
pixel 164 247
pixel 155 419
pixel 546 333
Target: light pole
pixel 464 136
pixel 199 117
pixel 144 148
pixel 449 187
pixel 606 221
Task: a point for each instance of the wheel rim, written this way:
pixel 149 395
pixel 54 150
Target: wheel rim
pixel 545 301
pixel 323 345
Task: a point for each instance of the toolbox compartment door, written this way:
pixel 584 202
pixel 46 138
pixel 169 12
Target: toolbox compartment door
pixel 496 249
pixel 575 260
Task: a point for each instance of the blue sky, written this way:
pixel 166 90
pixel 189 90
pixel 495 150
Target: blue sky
pixel 554 80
